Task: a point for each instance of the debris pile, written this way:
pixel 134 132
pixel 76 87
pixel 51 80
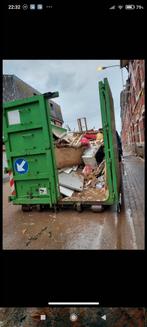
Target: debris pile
pixel 81 165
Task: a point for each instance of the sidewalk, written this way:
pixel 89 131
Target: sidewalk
pixel 133 194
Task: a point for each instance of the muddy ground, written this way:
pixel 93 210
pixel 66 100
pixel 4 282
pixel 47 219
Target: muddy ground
pixel 68 229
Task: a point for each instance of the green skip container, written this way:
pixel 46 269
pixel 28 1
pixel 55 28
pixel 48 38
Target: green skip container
pixel 30 151
pixel 31 155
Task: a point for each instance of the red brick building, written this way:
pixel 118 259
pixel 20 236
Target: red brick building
pixel 133 107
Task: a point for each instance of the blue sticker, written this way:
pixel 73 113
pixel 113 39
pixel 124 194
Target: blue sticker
pixel 21 166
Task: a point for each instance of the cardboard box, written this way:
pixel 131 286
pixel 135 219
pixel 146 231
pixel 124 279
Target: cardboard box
pixel 68 156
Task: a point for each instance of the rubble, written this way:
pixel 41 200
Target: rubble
pixel 68 157
pixel 90 136
pixel 99 186
pixel 87 170
pixel 72 181
pixel 70 139
pixel 66 191
pixel 99 137
pixel 67 170
pixel 74 168
pixel 89 156
pixel 81 166
pixel 84 141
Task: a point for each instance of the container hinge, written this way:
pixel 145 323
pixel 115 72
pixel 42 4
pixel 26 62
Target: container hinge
pixel 51 95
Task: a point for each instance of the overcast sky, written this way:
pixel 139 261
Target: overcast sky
pixel 77 84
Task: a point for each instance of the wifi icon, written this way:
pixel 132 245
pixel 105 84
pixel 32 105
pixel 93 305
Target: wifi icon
pixel 120 7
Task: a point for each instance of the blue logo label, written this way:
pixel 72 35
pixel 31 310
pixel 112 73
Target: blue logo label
pixel 21 166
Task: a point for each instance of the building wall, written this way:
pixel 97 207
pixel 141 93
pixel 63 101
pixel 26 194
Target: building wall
pixel 133 109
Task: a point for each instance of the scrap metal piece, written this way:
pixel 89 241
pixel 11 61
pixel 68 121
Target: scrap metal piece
pixel 72 181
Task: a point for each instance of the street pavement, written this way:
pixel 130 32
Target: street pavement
pixel 134 187
pixel 68 229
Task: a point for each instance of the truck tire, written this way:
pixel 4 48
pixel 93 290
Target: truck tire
pixel 97 208
pixel 41 208
pixel 79 207
pixel 26 208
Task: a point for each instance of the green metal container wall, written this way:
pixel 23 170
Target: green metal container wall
pixel 30 151
pixel 110 141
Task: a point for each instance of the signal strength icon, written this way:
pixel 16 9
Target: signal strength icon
pixel 113 7
pixel 120 7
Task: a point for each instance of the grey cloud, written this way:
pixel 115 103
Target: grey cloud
pixel 64 81
pixel 76 81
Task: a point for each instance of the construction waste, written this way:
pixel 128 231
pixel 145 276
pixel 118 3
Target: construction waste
pixel 81 164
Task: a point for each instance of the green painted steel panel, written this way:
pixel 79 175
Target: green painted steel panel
pixel 28 135
pixel 28 139
pixel 110 141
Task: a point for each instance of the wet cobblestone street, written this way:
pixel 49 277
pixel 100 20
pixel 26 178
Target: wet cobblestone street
pixel 68 229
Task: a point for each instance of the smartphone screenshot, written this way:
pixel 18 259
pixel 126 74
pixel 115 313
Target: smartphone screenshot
pixel 73 154
pixel 73 246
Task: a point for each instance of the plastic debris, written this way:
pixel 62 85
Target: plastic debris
pixel 87 170
pixel 99 186
pixel 90 136
pixel 85 141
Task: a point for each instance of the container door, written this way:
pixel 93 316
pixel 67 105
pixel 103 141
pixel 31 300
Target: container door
pixel 30 151
pixel 110 140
